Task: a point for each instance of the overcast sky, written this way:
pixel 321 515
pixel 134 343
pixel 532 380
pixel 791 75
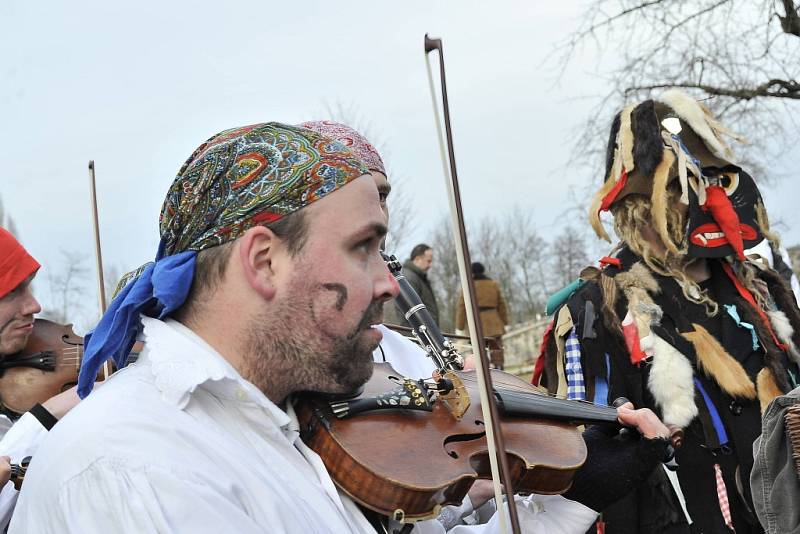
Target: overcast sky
pixel 137 86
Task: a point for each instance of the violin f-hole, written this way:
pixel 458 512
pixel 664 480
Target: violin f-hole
pixel 449 441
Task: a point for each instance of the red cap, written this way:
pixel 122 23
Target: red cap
pixel 15 263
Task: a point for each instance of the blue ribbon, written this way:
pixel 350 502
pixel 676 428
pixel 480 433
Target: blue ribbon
pixel 734 313
pixel 161 289
pixel 716 420
pixel 601 384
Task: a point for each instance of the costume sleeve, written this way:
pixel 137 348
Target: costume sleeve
pixel 461 314
pixel 501 307
pixel 20 441
pixel 105 498
pixel 614 467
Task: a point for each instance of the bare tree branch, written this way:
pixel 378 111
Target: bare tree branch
pixel 772 88
pixel 741 58
pixel 791 22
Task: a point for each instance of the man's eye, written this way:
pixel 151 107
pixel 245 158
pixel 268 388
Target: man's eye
pixel 364 245
pixel 382 197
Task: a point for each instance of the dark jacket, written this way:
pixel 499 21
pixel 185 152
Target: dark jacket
pixel 419 281
pixel 605 358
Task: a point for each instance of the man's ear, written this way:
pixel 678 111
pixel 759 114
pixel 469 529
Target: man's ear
pixel 257 249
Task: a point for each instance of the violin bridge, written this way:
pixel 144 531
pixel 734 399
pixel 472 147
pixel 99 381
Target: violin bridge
pixel 457 400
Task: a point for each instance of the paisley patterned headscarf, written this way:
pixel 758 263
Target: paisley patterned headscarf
pixel 238 179
pixel 352 139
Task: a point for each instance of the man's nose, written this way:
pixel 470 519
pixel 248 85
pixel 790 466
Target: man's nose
pixel 31 305
pixel 386 286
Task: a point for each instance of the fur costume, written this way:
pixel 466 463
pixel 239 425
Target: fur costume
pixel 706 356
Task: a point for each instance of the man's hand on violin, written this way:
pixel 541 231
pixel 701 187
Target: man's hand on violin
pixel 481 492
pixel 644 420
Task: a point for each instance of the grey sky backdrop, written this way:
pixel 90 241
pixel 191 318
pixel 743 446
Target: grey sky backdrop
pixel 137 86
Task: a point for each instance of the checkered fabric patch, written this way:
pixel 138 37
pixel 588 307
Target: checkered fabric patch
pixel 576 388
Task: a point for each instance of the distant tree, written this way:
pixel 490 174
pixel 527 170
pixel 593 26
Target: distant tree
pixel 444 274
pixel 514 253
pixel 569 255
pixel 6 221
pixel 741 58
pixel 68 289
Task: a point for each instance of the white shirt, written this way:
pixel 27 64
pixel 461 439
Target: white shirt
pixel 180 442
pixel 20 440
pixel 538 514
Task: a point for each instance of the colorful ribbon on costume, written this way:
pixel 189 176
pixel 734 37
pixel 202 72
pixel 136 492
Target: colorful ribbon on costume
pixel 722 495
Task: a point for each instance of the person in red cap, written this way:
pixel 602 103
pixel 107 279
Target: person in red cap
pixel 22 437
pixel 17 303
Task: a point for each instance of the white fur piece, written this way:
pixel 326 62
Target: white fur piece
pixel 782 326
pixel 671 382
pixel 784 331
pixel 692 112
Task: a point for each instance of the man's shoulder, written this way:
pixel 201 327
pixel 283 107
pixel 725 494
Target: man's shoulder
pixel 124 418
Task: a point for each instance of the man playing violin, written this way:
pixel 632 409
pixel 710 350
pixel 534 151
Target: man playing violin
pixel 612 469
pixel 17 308
pixel 267 282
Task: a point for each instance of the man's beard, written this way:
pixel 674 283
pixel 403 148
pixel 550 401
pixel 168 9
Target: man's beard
pixel 286 352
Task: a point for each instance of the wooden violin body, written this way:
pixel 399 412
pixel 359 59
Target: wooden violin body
pixel 422 460
pixel 48 365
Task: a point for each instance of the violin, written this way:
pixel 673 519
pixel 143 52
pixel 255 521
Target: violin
pixel 433 443
pixel 48 365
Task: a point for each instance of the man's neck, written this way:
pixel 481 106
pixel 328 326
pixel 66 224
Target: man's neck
pixel 229 346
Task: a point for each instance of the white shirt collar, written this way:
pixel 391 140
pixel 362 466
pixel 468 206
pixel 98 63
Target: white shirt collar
pixel 181 362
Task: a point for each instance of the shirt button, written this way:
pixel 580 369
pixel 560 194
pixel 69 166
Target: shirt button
pixel 735 408
pixel 241 394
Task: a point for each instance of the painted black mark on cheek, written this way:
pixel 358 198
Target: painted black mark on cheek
pixel 341 294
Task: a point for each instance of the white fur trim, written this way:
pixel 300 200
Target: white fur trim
pixel 671 382
pixel 692 112
pixel 784 331
pixel 782 326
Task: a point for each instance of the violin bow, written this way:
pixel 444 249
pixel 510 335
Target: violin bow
pixel 494 435
pixel 98 254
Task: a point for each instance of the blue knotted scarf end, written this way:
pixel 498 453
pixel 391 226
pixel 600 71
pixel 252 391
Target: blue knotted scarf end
pixel 161 289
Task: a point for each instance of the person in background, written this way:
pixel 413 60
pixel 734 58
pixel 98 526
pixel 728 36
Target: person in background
pixel 21 437
pixel 416 270
pixel 492 306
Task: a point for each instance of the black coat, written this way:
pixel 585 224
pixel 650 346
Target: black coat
pixel 419 281
pixel 604 355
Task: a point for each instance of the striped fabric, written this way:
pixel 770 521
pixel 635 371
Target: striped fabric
pixel 722 494
pixel 576 388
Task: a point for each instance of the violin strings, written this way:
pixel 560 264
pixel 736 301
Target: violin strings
pixel 523 393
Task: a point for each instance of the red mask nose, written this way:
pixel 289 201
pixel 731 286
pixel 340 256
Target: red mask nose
pixel 721 209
